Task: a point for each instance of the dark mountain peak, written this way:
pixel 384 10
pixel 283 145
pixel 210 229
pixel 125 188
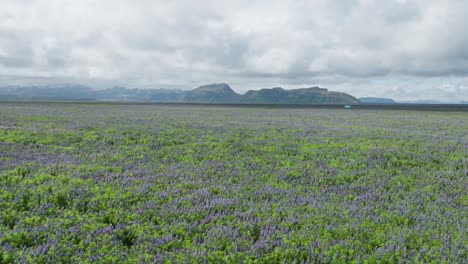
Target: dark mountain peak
pixel 314 89
pixel 218 87
pixel 311 95
pixel 274 89
pixel 213 93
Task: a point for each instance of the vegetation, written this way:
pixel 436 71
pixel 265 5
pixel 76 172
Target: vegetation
pixel 171 184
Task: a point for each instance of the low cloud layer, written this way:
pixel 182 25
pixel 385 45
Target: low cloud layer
pixel 401 49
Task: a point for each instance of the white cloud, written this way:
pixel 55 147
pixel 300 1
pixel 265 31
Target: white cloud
pixel 364 47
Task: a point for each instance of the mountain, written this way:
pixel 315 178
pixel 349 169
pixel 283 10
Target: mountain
pixel 376 100
pixel 313 95
pixel 433 102
pixel 69 92
pixel 48 92
pixel 222 93
pixel 140 95
pixel 213 93
pixel 271 96
pixel 422 102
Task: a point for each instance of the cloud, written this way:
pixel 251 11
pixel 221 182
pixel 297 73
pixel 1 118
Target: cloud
pixel 357 45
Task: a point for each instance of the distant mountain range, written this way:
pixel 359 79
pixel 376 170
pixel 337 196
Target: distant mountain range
pixel 376 100
pixel 430 102
pixel 379 100
pixel 222 93
pixel 84 93
pixel 213 93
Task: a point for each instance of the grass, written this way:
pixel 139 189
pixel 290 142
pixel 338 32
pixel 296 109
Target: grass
pixel 128 183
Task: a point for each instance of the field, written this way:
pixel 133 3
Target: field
pixel 174 184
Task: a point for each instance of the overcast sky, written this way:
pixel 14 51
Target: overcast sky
pixel 401 49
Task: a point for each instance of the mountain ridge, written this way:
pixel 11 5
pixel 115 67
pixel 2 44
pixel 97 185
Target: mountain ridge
pixel 310 95
pixel 377 100
pixel 211 93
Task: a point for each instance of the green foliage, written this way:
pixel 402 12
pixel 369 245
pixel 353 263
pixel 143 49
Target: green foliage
pixel 177 184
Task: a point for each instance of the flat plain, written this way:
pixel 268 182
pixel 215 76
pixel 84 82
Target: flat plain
pixel 129 183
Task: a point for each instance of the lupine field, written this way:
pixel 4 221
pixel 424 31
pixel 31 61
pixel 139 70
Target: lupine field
pixel 112 183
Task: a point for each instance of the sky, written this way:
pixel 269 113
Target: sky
pixel 402 49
